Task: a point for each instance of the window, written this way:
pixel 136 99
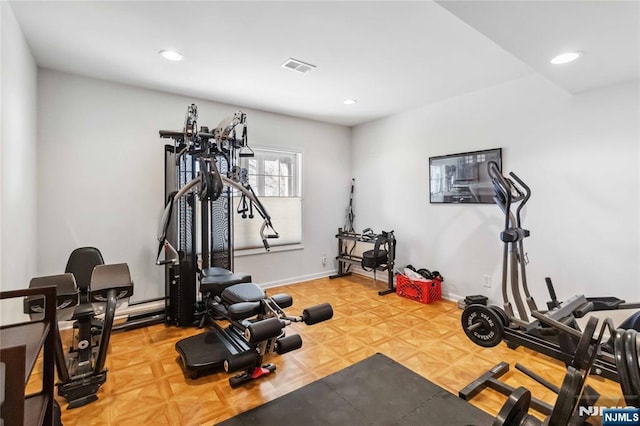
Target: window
pixel 273 173
pixel 275 176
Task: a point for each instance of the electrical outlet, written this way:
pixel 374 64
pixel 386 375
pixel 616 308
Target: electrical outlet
pixel 487 281
pixel 324 260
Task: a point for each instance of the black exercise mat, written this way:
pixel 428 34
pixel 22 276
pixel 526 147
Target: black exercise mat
pixel 376 391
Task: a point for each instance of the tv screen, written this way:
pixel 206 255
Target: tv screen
pixel 462 178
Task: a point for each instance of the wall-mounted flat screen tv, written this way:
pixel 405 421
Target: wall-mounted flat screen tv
pixel 462 178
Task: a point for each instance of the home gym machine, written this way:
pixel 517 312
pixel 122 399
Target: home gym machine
pixel 81 372
pixel 489 325
pixel 202 169
pixel 201 172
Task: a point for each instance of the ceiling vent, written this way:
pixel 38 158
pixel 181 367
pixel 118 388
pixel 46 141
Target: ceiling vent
pixel 298 66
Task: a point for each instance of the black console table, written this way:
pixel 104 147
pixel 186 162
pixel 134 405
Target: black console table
pixel 344 257
pixel 20 348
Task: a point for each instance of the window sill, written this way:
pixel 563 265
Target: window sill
pixel 276 249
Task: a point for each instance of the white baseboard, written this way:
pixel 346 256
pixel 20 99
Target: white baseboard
pixel 123 312
pixel 300 279
pixel 142 308
pixel 445 294
pixel 451 296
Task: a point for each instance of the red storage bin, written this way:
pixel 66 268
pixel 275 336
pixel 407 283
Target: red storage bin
pixel 423 291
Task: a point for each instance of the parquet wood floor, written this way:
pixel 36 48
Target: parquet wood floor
pixel 146 384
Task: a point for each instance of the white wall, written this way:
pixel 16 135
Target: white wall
pixel 101 177
pixel 17 161
pixel 578 154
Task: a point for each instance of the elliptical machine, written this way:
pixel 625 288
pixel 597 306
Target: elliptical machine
pixel 489 325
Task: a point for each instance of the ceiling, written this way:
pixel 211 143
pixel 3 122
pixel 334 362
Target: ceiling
pixel 390 56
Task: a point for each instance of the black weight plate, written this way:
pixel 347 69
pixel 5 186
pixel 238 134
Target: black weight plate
pixel 621 367
pixel 584 350
pixel 567 398
pixel 490 330
pixel 502 314
pixel 632 363
pixel 515 409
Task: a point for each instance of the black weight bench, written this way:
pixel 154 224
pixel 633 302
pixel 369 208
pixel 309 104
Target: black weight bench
pixel 257 324
pixel 213 281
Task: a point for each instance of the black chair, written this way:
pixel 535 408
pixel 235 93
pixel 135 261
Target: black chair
pixel 81 263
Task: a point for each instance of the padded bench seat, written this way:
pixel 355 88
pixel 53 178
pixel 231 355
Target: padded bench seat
pixel 215 280
pixel 245 292
pixel 248 308
pixel 214 270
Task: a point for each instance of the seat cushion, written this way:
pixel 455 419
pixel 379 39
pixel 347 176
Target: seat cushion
pixel 247 292
pixel 81 263
pixel 215 270
pixel 240 311
pixel 215 284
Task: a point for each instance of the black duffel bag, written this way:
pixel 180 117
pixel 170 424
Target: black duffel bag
pixel 371 259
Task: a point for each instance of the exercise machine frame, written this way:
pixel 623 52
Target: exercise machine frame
pixel 487 326
pixel 82 371
pixel 201 171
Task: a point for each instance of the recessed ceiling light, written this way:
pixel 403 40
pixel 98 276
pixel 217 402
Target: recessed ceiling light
pixel 350 101
pixel 565 58
pixel 171 55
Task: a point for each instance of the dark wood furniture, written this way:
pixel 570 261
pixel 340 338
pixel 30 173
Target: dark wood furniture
pixel 20 347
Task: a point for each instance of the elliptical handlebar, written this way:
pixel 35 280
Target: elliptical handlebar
pixel 527 191
pixel 525 195
pixel 508 190
pixel 505 188
pixel 502 189
pixel 500 184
